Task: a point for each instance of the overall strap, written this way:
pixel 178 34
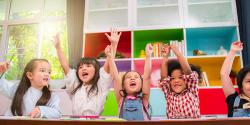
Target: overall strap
pixel 121 108
pixel 146 111
pixel 237 102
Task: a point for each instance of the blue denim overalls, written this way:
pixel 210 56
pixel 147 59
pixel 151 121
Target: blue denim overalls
pixel 132 109
pixel 240 112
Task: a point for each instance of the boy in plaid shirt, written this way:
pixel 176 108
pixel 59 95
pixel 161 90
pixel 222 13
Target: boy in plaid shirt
pixel 180 86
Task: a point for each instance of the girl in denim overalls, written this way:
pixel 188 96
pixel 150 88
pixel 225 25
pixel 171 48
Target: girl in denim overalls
pixel 132 91
pixel 238 104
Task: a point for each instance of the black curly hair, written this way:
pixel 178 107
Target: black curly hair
pixel 240 77
pixel 175 64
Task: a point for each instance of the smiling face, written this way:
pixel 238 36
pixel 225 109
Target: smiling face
pixel 177 82
pixel 86 72
pixel 40 75
pixel 132 82
pixel 246 85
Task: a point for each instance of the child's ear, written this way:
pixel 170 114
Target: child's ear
pixel 29 75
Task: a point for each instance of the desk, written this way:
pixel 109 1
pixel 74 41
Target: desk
pixel 221 121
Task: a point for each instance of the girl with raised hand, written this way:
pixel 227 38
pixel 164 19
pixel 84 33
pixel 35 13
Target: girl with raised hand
pixel 132 91
pixel 237 103
pixel 89 83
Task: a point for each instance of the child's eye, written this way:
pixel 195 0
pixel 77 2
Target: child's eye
pixel 42 70
pixel 180 77
pixel 128 77
pixel 172 78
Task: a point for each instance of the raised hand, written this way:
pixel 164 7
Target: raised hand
pixel 57 41
pixel 35 113
pixel 165 50
pixel 4 66
pixel 236 46
pixel 107 51
pixel 149 49
pixel 174 47
pixel 114 36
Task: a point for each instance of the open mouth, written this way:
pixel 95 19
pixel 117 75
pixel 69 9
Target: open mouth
pixel 46 79
pixel 177 85
pixel 84 74
pixel 132 84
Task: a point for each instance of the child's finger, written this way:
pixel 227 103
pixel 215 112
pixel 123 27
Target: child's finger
pixel 31 115
pixel 120 33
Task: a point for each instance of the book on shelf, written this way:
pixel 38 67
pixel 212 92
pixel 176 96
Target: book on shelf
pixel 204 80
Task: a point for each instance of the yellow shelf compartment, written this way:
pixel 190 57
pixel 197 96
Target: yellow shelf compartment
pixel 212 66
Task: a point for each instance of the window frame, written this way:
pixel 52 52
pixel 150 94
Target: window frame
pixel 6 23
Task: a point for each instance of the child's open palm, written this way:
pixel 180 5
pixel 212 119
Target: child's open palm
pixel 114 36
pixel 237 46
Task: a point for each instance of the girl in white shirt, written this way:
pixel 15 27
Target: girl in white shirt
pixel 88 85
pixel 31 97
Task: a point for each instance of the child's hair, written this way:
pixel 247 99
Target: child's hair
pixel 198 70
pixel 93 82
pixel 16 106
pixel 174 64
pixel 123 92
pixel 241 75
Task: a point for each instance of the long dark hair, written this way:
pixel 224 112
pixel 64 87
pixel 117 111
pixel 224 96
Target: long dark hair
pixel 240 77
pixel 123 92
pixel 94 89
pixel 16 106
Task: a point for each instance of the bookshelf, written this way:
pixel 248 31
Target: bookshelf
pixel 203 25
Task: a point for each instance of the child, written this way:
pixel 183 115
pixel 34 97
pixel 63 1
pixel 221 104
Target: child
pixel 132 91
pixel 238 104
pixel 32 97
pixel 89 84
pixel 180 86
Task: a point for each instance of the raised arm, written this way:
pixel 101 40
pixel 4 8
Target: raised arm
pixel 164 68
pixel 113 71
pixel 183 61
pixel 63 61
pixel 114 38
pixel 226 68
pixel 147 73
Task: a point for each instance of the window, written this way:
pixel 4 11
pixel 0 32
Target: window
pixel 1 32
pixel 31 27
pixel 55 7
pixel 21 9
pixel 2 9
pixel 47 49
pixel 22 45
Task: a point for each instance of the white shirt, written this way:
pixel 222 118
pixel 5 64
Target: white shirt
pixel 81 103
pixel 30 98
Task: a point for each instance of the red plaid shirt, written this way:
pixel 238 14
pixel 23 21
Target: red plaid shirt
pixel 185 104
